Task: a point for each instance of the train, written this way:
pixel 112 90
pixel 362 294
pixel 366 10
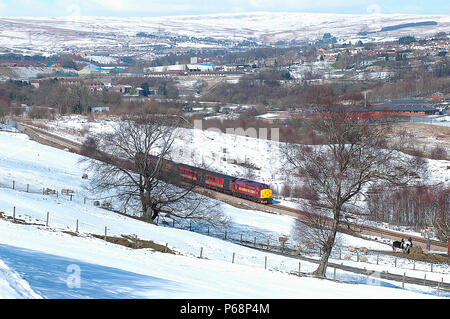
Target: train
pixel 238 187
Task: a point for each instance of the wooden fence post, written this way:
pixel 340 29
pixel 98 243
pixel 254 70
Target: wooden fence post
pixel 334 274
pixel 265 262
pixel 14 182
pixel 46 222
pixel 299 268
pixel 77 227
pixel 232 260
pixel 14 214
pixel 403 281
pixel 201 252
pixel 28 188
pixel 105 232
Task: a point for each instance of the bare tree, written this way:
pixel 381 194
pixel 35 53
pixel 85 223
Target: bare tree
pixel 353 157
pixel 121 170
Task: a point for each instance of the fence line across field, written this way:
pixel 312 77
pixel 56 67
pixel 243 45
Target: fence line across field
pixel 63 193
pixel 76 227
pixel 261 241
pixel 265 244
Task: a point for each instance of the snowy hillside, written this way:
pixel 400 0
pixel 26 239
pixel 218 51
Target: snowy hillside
pixel 51 35
pixel 38 261
pixel 225 153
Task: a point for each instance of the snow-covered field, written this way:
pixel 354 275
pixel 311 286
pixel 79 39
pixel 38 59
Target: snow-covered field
pixel 52 35
pixel 45 262
pixel 226 153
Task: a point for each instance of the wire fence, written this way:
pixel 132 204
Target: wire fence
pixel 63 193
pixel 283 246
pixel 269 242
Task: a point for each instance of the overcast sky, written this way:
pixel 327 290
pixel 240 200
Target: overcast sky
pixel 150 8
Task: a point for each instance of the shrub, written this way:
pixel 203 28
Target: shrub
pixel 438 153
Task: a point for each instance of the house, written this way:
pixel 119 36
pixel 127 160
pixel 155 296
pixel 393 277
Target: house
pixel 402 107
pixel 121 88
pixel 229 68
pixel 438 96
pixel 34 83
pixel 95 86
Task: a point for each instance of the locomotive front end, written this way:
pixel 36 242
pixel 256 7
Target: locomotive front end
pixel 266 196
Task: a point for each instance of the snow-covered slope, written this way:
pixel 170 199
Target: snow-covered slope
pixel 230 154
pixel 85 33
pixel 48 262
pixel 12 286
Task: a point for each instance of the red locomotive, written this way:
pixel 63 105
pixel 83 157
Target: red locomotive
pixel 243 188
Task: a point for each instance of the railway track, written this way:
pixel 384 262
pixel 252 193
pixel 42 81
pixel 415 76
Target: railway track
pixel 351 228
pixel 361 229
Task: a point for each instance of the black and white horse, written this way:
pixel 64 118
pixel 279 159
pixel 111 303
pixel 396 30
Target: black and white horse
pixel 404 246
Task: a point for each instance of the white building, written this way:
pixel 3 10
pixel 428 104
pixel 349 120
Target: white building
pixel 204 67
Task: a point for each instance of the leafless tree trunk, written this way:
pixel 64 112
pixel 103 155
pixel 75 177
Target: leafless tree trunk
pixel 121 170
pixel 339 172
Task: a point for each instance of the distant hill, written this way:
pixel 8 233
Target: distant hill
pixel 53 35
pixel 400 26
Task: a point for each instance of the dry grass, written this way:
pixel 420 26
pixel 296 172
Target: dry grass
pixel 132 241
pixel 416 253
pixel 422 129
pixel 422 132
pixel 421 139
